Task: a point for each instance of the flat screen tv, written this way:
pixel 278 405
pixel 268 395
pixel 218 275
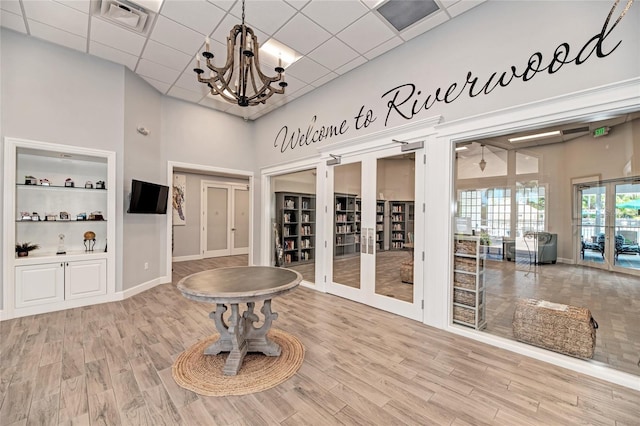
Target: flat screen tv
pixel 147 197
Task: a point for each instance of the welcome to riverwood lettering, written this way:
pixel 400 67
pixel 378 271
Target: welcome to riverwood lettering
pixel 406 101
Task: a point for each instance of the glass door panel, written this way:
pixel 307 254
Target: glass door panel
pixel 347 224
pixel 394 227
pixel 592 223
pixel 627 225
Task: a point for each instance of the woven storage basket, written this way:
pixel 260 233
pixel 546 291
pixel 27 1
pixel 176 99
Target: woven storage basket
pixel 406 272
pixel 464 314
pixel 465 247
pixel 464 297
pixel 465 264
pixel 566 329
pixel 467 281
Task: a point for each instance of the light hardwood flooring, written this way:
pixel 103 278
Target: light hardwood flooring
pixel 111 364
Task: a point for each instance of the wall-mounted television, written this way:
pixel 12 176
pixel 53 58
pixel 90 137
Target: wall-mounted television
pixel 147 197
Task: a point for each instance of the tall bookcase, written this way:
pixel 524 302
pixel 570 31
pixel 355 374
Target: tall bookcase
pixel 347 225
pixel 296 218
pixel 382 225
pixel 469 303
pixel 402 215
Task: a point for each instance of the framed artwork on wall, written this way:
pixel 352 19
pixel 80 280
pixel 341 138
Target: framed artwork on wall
pixel 179 197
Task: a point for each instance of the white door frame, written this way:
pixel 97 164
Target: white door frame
pixel 177 167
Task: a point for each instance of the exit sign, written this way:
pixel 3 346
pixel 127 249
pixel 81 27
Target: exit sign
pixel 600 131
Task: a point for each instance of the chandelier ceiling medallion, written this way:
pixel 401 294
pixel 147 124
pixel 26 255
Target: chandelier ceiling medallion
pixel 240 81
pixel 482 163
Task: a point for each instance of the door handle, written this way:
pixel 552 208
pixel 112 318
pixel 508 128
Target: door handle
pixel 233 229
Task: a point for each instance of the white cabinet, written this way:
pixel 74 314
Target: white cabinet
pixel 59 281
pixel 469 302
pixel 38 284
pixel 63 199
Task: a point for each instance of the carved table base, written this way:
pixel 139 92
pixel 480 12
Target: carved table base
pixel 240 335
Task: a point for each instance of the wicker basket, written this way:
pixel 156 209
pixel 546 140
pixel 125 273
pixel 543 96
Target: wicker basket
pixel 467 315
pixel 566 329
pixel 406 272
pixel 465 247
pixel 467 264
pixel 467 281
pixel 464 297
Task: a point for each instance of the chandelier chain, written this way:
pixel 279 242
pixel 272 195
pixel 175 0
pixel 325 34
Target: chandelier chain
pixel 242 12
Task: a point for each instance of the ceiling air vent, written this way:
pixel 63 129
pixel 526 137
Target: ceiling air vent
pixel 402 14
pixel 575 130
pixel 124 14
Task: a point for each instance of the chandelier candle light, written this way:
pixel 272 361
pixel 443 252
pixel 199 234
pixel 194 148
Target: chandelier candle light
pixel 245 90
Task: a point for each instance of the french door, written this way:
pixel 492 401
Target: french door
pixel 376 212
pixel 225 219
pixel 608 224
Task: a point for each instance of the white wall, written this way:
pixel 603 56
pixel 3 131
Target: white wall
pixel 49 94
pixel 489 38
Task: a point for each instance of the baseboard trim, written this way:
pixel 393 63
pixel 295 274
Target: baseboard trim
pixel 186 258
pixel 142 287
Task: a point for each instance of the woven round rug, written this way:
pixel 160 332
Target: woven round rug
pixel 202 374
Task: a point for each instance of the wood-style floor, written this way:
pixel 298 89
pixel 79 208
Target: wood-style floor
pixel 111 364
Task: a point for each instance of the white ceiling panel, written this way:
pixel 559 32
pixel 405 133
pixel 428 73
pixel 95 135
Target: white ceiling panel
pixel 157 71
pixel 165 55
pixel 266 15
pixel 307 70
pixel 333 54
pixel 366 33
pixel 112 35
pixel 12 6
pixel 331 37
pixel 200 15
pixel 54 35
pixel 57 15
pixel 113 55
pixel 12 21
pixel 313 36
pixel 176 35
pixel 324 13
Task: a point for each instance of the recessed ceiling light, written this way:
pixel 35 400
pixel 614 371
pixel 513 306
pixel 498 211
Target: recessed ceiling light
pixel 536 136
pixel 278 50
pixel 461 148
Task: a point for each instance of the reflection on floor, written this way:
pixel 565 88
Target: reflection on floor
pixel 624 260
pixel 613 298
pixel 308 270
pixel 347 272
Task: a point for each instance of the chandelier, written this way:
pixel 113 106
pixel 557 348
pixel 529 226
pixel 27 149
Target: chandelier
pixel 482 163
pixel 250 86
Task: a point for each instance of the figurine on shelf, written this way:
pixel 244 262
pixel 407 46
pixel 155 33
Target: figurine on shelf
pixel 30 180
pixel 61 247
pixel 35 216
pixel 100 184
pixel 25 216
pixel 81 216
pixel 88 185
pixel 68 182
pixel 50 217
pixel 45 182
pixel 96 216
pixel 64 216
pixel 89 240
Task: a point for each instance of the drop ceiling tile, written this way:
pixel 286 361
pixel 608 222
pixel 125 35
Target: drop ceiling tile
pixel 113 55
pixel 366 33
pixel 157 71
pixel 188 80
pixel 325 14
pixel 57 15
pixel 12 6
pixel 165 55
pixel 159 85
pixel 266 15
pixel 351 65
pixel 222 32
pixel 324 80
pixel 225 5
pixel 187 95
pixel 384 47
pixel 302 34
pixel 12 21
pixel 307 70
pixel 213 102
pixel 333 54
pixel 371 4
pixel 293 85
pixel 81 5
pixel 112 35
pixel 430 22
pixel 199 15
pixel 175 35
pixel 298 4
pixel 57 36
pixel 152 5
pixel 462 6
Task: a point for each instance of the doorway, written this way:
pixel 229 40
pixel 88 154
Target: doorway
pixel 374 223
pixel 609 224
pixel 225 219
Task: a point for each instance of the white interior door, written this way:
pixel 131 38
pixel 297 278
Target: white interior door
pixel 374 223
pixel 225 219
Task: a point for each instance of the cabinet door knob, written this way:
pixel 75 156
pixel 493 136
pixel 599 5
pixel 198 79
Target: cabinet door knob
pixel 62 264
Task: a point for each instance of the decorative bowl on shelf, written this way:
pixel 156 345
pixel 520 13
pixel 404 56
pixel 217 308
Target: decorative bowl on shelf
pixel 68 182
